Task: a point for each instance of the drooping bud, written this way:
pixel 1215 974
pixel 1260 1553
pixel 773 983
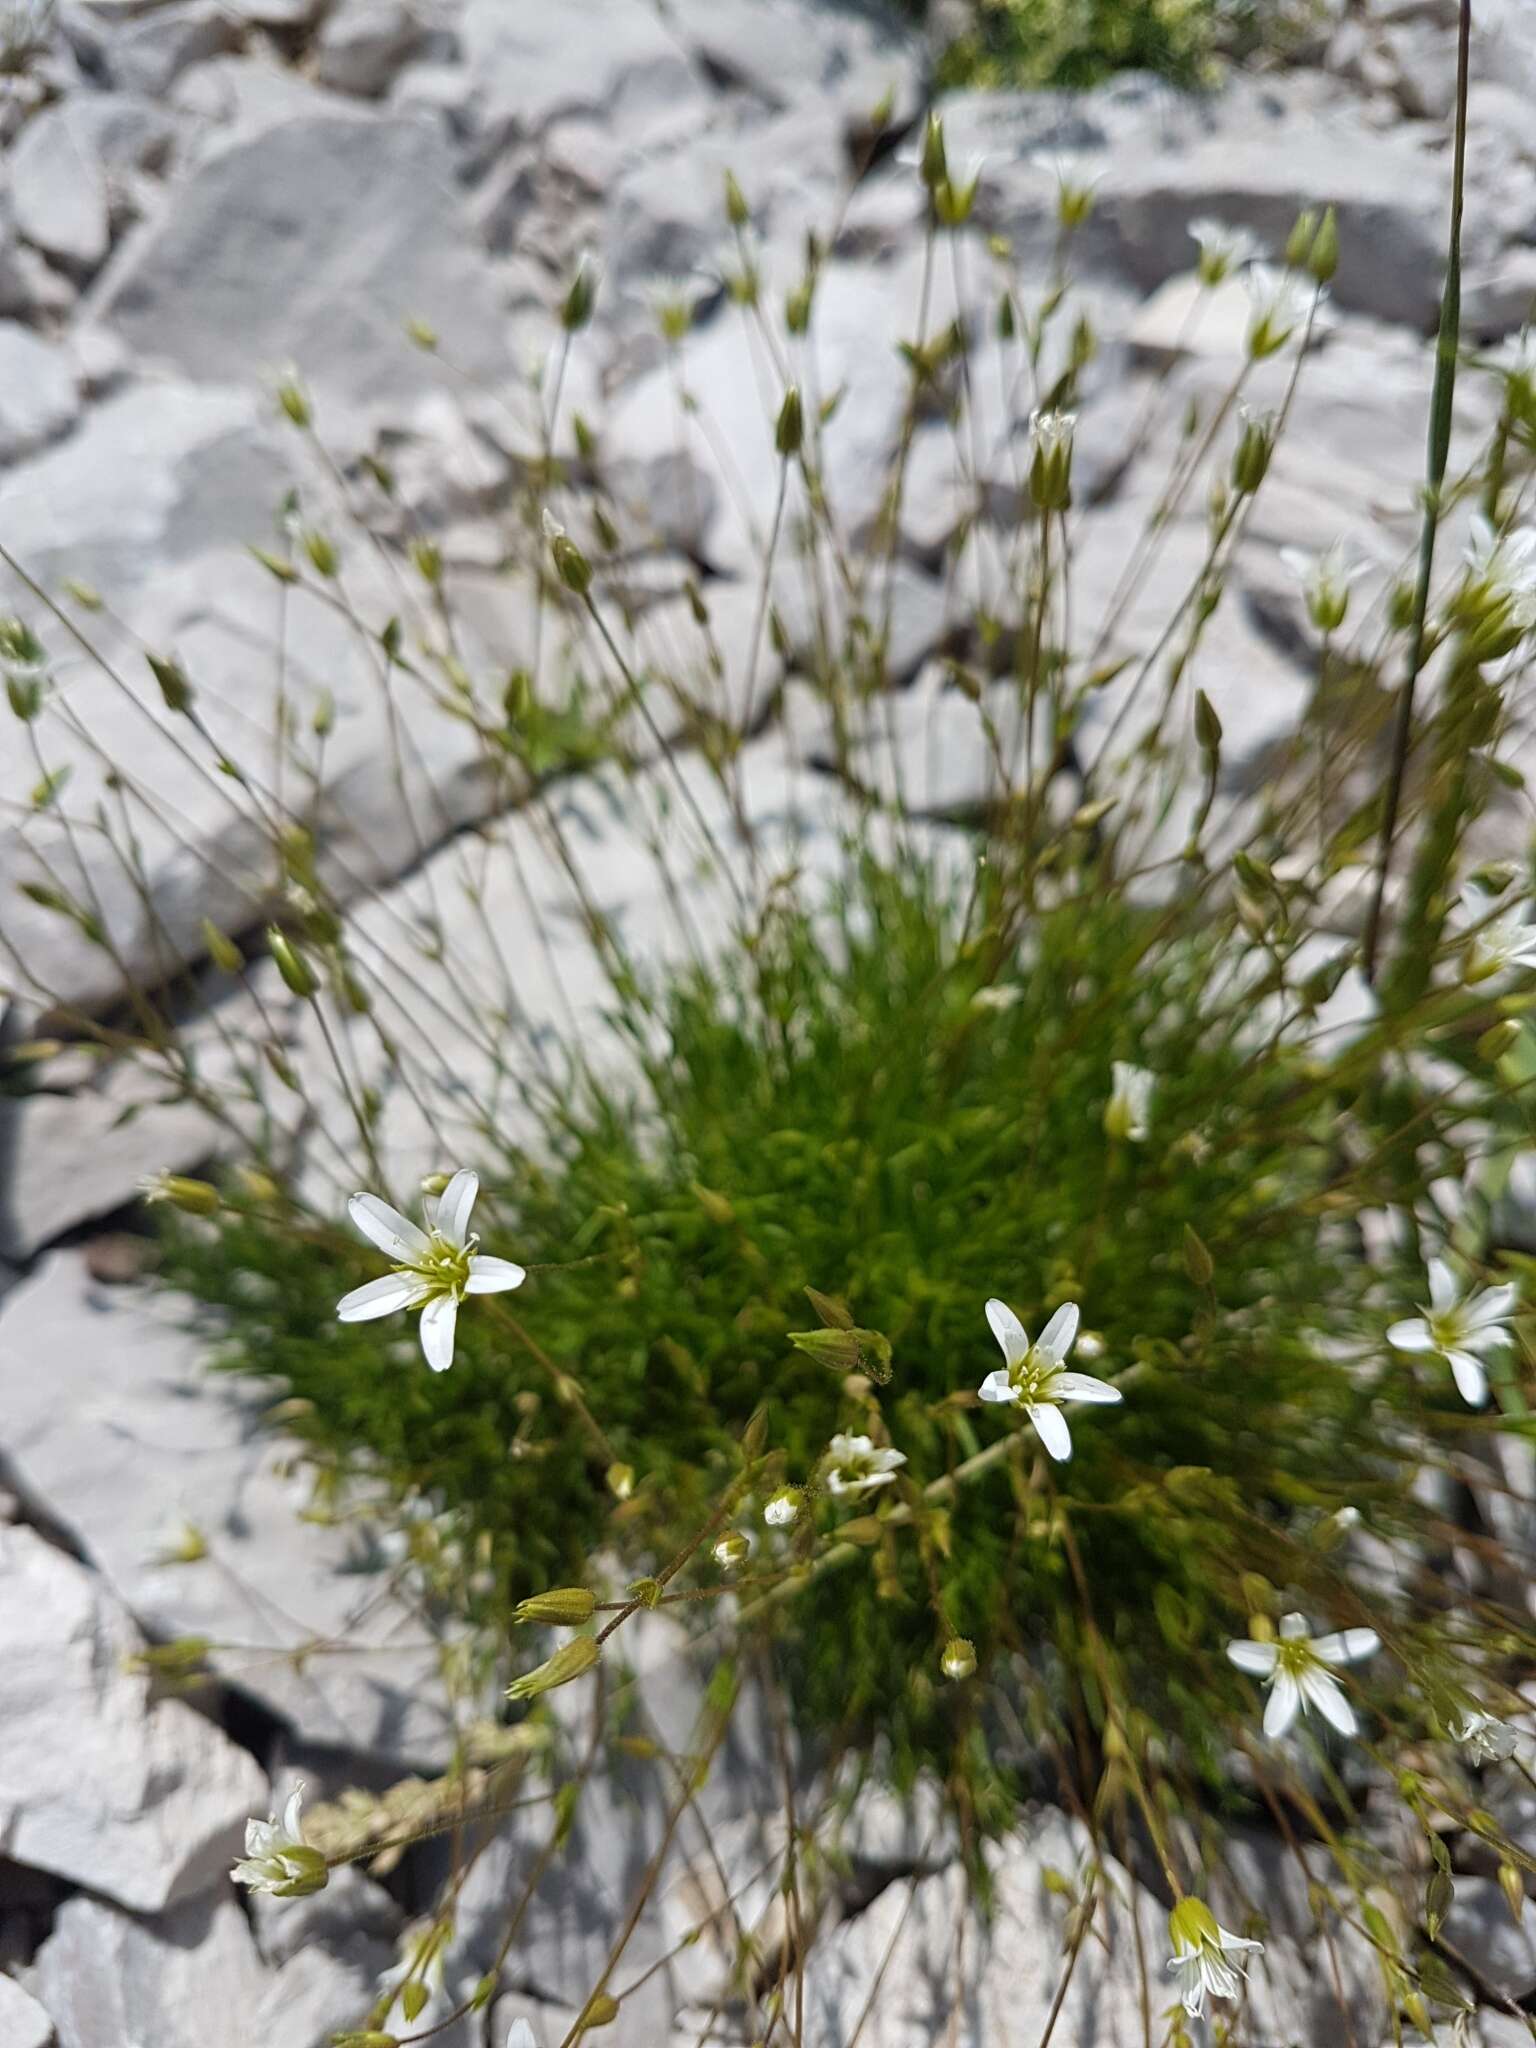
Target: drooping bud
pixel 572 1660
pixel 193 1197
pixel 172 678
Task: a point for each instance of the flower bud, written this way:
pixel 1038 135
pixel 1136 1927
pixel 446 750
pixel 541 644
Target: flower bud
pixel 790 430
pixel 560 1607
pixel 1499 1040
pixel 572 1660
pixel 959 1658
pixel 222 950
pixel 1299 244
pixel 1207 724
pixel 1255 445
pixel 797 307
pixel 172 678
pixel 783 1507
pixel 737 212
pixel 26 696
pixel 290 396
pixel 733 1549
pixel 296 971
pixel 1323 256
pixel 421 334
pixel 322 553
pixel 621 1481
pixel 576 310
pixel 428 559
pixel 933 164
pixel 1050 469
pixel 571 565
pixel 600 2010
pixel 1192 1925
pixel 193 1197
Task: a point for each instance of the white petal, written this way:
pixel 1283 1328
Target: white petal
pixel 521 2036
pixel 1257 1659
pixel 437 1321
pixel 1051 1428
pixel 455 1203
pixel 1082 1386
pixel 997 1387
pixel 1491 1306
pixel 1284 1699
pixel 388 1229
pixel 379 1298
pixel 1412 1336
pixel 1057 1337
pixel 1325 1695
pixel 1443 1290
pixel 492 1276
pixel 1293 1627
pixel 1348 1646
pixel 292 1824
pixel 1471 1380
pixel 1008 1331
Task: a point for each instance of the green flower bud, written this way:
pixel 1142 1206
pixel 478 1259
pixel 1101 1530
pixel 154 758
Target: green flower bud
pixel 172 678
pixel 790 430
pixel 933 164
pixel 576 309
pixel 322 552
pixel 560 1607
pixel 571 565
pixel 193 1197
pixel 1207 724
pixel 1255 445
pixel 222 950
pixel 291 964
pixel 428 558
pixel 293 402
pixel 1323 256
pixel 1299 244
pixel 737 212
pixel 572 1660
pixel 26 696
pixel 601 2010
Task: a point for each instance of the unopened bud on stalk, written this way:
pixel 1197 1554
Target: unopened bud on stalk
pixel 933 163
pixel 1207 724
pixel 192 1197
pixel 321 551
pixel 560 1607
pixel 25 694
pixel 294 403
pixel 789 433
pixel 601 2010
pixel 1255 446
pixel 172 678
pixel 1299 243
pixel 296 971
pixel 572 1660
pixel 428 558
pixel 959 1658
pixel 576 309
pixel 737 212
pixel 732 1549
pixel 222 950
pixel 571 565
pixel 621 1481
pixel 783 1507
pixel 1499 1040
pixel 1323 257
pixel 1050 468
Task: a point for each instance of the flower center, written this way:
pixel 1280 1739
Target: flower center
pixel 1295 1655
pixel 1032 1377
pixel 444 1266
pixel 1446 1329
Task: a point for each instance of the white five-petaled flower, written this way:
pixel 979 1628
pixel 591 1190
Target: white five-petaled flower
pixel 1128 1113
pixel 783 1508
pixel 1502 565
pixel 1486 1739
pixel 856 1464
pixel 434 1268
pixel 1034 1378
pixel 1222 249
pixel 1497 943
pixel 1202 1956
pixel 277 1858
pixel 1459 1331
pixel 1325 581
pixel 1297 1670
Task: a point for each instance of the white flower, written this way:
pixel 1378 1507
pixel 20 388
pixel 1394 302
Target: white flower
pixel 856 1465
pixel 999 995
pixel 1487 1739
pixel 1460 1331
pixel 521 2036
pixel 1033 1376
pixel 1325 581
pixel 782 1509
pixel 1280 299
pixel 1222 249
pixel 1202 1952
pixel 434 1269
pixel 1495 944
pixel 1052 431
pixel 1128 1112
pixel 1501 568
pixel 1296 1670
pixel 277 1858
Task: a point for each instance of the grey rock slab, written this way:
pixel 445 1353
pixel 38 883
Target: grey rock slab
pixel 311 242
pixel 841 57
pixel 1390 196
pixel 316 1996
pixel 23 2022
pixel 364 44
pixel 58 188
pixel 150 52
pixel 1000 1985
pixel 189 1978
pixel 70 1158
pixel 114 1455
pixel 39 396
pixel 353 1920
pixel 142 1801
pixel 1481 1925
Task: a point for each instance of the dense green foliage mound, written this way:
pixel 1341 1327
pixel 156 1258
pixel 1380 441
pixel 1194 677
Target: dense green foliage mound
pixel 873 1113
